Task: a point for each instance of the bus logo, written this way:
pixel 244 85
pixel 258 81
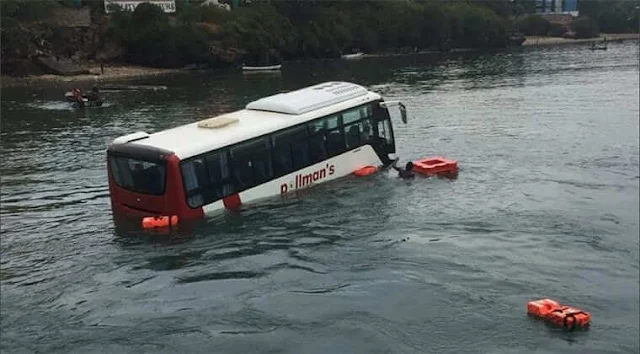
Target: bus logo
pixel 302 179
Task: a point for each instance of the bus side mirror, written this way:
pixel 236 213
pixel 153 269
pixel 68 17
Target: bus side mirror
pixel 403 112
pixel 403 109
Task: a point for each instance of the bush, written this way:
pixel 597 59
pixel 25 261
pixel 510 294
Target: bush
pixel 258 30
pixel 533 26
pixel 213 14
pixel 192 44
pixel 27 10
pixel 584 27
pixel 612 16
pixel 477 27
pixel 150 40
pixel 557 30
pixel 118 28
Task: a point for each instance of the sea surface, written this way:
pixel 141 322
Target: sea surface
pixel 545 205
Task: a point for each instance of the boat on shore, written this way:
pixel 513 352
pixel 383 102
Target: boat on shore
pixel 354 56
pixel 261 68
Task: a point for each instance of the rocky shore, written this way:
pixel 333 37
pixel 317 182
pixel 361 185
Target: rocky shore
pixel 114 72
pixel 111 73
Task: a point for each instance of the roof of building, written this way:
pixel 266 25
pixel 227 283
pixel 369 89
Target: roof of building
pixel 260 117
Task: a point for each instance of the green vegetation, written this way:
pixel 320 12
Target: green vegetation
pixel 584 27
pixel 612 16
pixel 533 26
pixel 266 31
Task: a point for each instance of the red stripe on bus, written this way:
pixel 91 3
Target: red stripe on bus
pixel 232 201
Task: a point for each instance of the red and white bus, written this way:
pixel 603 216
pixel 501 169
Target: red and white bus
pixel 276 145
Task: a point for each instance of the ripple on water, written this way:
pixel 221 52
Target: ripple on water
pixel 545 205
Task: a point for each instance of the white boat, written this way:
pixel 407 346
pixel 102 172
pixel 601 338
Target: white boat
pixel 261 68
pixel 354 56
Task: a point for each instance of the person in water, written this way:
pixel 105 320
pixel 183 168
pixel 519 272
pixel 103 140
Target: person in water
pixel 94 94
pixel 76 95
pixel 406 173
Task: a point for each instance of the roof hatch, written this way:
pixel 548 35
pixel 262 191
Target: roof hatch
pixel 217 122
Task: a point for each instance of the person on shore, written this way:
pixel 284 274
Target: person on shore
pixel 406 173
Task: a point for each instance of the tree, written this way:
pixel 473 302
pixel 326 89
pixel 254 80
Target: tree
pixel 150 40
pixel 584 27
pixel 533 25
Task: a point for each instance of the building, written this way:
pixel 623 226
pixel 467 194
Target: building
pixel 130 5
pixel 568 7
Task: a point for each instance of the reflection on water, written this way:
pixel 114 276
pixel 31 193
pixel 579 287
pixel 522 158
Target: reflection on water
pixel 545 205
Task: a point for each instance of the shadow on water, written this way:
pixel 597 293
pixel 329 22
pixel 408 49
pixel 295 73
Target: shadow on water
pixel 295 225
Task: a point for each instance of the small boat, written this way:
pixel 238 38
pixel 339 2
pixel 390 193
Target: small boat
pixel 85 101
pixel 594 46
pixel 354 56
pixel 133 87
pixel 261 68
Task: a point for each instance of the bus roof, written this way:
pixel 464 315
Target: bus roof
pixel 259 117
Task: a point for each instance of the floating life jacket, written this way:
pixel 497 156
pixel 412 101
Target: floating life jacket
pixel 563 316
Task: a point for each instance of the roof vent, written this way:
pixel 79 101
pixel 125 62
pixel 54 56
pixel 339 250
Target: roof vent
pixel 217 122
pixel 309 98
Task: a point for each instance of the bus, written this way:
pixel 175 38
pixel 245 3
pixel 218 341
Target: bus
pixel 276 145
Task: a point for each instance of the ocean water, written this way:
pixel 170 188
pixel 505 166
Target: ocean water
pixel 545 205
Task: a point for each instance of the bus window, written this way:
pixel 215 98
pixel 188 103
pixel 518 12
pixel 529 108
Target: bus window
pixel 332 122
pixel 366 111
pixel 317 127
pixel 138 176
pixel 334 137
pixel 219 176
pixel 365 138
pixel 317 141
pixel 261 159
pixel 281 154
pixel 352 134
pixel 317 148
pixel 290 150
pixel 299 147
pixel 384 131
pixel 350 116
pixel 251 163
pixel 195 179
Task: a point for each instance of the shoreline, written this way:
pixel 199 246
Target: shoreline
pixel 112 73
pixel 610 37
pixel 116 72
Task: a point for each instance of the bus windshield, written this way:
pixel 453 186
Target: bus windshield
pixel 138 175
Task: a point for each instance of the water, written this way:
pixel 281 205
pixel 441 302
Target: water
pixel 545 205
